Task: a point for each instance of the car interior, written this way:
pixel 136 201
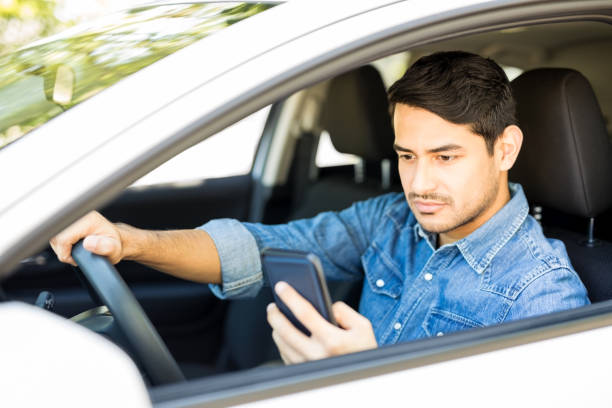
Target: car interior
pixel 560 76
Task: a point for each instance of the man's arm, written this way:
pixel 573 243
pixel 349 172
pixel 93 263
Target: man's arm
pixel 193 255
pixel 339 239
pixel 187 254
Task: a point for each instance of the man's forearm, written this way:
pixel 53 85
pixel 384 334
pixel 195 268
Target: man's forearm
pixel 186 254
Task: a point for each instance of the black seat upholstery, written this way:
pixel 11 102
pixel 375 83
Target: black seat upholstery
pixel 356 116
pixel 565 165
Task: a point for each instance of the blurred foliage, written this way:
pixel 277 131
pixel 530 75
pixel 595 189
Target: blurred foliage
pixel 22 21
pixel 93 58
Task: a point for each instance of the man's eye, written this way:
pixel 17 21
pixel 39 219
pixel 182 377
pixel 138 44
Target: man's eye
pixel 406 156
pixel 445 158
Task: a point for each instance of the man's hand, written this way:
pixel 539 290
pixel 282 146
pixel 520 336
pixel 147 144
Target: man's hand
pixel 187 254
pixel 101 237
pixel 326 340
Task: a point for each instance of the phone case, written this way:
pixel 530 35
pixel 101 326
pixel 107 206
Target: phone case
pixel 304 273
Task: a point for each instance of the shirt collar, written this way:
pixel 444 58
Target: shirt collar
pixel 430 237
pixel 480 247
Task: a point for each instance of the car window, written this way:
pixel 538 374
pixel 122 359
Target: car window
pixel 328 156
pixel 43 80
pixel 216 156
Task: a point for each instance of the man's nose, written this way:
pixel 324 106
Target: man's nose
pixel 423 180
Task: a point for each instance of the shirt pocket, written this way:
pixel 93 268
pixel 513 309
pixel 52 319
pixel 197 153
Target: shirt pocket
pixel 439 322
pixel 382 276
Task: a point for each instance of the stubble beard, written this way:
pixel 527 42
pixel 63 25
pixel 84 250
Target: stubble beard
pixel 467 215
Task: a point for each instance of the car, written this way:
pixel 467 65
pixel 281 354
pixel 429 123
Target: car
pixel 87 113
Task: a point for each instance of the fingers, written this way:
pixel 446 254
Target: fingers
pixel 303 310
pixel 100 245
pixel 348 318
pixel 62 251
pixel 286 330
pixel 295 347
pixel 62 243
pixel 360 334
pixel 101 238
pixel 288 353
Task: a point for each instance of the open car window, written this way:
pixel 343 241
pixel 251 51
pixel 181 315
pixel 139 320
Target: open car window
pixel 283 207
pixel 216 157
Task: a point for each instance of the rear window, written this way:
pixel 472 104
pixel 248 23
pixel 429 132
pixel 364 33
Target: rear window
pixel 43 80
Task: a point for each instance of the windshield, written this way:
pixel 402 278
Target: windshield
pixel 43 80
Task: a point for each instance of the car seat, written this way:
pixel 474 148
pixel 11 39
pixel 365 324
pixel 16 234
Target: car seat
pixel 356 116
pixel 355 113
pixel 565 167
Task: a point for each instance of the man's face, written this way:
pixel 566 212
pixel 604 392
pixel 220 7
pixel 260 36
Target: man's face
pixel 450 180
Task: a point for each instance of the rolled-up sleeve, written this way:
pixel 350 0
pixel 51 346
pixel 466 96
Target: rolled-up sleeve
pixel 239 255
pixel 337 238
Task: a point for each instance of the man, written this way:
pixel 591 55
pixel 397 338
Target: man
pixel 456 250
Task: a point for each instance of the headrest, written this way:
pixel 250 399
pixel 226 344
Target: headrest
pixel 565 162
pixel 356 115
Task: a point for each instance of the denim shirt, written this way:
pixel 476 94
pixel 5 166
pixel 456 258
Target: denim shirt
pixel 505 270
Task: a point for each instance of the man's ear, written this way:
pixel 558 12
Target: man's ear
pixel 507 147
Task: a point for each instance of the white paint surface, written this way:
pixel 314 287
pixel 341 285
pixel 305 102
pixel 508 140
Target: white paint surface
pixel 48 361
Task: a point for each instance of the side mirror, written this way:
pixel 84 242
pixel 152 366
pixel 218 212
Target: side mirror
pixel 59 83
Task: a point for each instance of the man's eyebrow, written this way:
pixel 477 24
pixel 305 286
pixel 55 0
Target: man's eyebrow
pixel 399 148
pixel 445 148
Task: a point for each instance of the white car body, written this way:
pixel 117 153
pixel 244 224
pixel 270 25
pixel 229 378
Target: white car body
pixel 100 147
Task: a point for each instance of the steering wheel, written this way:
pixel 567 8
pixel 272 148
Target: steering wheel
pixel 145 342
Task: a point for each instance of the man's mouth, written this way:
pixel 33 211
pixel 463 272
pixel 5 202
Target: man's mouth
pixel 428 207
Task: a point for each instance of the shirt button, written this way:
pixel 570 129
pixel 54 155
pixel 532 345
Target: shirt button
pixel 397 326
pixel 428 276
pixel 439 334
pixel 380 283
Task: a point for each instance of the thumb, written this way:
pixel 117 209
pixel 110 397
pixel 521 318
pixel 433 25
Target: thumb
pixel 101 245
pixel 347 317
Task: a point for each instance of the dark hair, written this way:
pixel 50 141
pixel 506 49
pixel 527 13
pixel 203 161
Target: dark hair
pixel 462 88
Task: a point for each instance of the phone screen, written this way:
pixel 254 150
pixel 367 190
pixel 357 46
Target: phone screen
pixel 303 272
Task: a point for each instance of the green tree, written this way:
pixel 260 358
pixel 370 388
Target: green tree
pixel 41 81
pixel 23 21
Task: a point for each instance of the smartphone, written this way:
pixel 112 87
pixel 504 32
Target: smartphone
pixel 303 271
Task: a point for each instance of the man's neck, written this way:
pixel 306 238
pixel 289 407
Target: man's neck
pixel 503 196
